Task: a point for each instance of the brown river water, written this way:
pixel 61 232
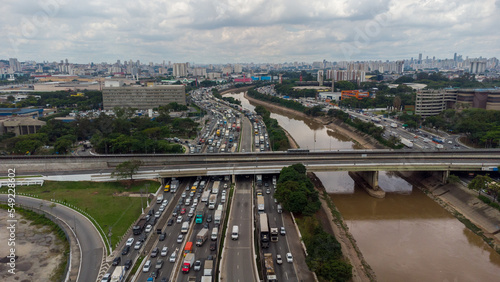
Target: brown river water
pixel 404 237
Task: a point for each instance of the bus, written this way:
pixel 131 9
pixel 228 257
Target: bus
pixel 259 179
pixel 188 248
pixel 264 230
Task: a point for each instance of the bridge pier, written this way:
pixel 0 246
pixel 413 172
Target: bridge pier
pixel 442 175
pixel 369 181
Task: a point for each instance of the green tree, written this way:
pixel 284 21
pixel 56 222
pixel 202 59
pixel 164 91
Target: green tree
pixel 479 182
pixel 127 169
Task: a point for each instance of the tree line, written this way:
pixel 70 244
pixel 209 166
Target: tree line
pixel 277 137
pixel 296 193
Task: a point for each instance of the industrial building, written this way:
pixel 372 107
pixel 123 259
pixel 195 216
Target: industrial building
pixel 432 102
pixel 143 97
pixel 20 125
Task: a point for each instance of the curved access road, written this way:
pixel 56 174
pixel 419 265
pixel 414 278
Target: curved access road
pixel 92 246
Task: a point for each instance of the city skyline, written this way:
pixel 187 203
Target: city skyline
pixel 246 31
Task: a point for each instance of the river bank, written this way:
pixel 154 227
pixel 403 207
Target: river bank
pixel 458 201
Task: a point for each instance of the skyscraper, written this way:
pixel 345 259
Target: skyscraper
pixel 420 58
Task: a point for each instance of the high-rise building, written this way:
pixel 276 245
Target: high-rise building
pixel 179 70
pixel 320 77
pixel 420 58
pixel 14 65
pixel 477 67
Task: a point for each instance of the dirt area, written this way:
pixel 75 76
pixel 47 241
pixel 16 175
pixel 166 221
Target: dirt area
pixel 38 251
pixel 234 90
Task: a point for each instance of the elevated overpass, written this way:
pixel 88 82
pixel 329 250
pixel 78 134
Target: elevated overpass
pixel 366 162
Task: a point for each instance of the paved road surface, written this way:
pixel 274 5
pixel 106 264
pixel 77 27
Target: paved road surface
pixel 91 243
pixel 238 260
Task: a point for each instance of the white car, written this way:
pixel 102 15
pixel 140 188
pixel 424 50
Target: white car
pixel 197 265
pixel 282 230
pixel 180 238
pixel 130 242
pixel 279 260
pixel 173 256
pixel 138 245
pixel 164 252
pixel 289 257
pixel 148 228
pixel 179 219
pixel 147 266
pixel 157 214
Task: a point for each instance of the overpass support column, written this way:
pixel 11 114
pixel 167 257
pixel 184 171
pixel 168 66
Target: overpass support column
pixel 233 178
pixel 443 176
pixel 371 177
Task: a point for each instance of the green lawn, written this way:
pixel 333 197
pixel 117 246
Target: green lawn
pixel 99 199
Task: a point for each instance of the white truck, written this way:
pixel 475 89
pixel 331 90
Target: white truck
pixel 394 125
pixel 215 187
pixel 212 201
pixel 217 217
pixel 174 184
pixel 118 274
pixel 207 270
pixel 159 199
pixel 205 195
pixel 206 278
pixel 202 237
pixel 406 142
pixel 188 262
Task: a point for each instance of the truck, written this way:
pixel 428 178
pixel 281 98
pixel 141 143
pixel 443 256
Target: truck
pixel 188 262
pixel 202 236
pixel 185 227
pixel 437 140
pixel 207 269
pixel 260 203
pixel 139 226
pixel 261 139
pixel 274 180
pixel 257 141
pixel 394 125
pixel 406 142
pixel 217 217
pixel 274 234
pixel 215 187
pixel 206 278
pixel 440 146
pixel 188 248
pixel 222 148
pixel 174 184
pixel 211 201
pixel 205 195
pixel 118 274
pixel 269 265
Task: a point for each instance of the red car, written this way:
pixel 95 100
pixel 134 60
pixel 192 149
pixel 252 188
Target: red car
pixel 183 210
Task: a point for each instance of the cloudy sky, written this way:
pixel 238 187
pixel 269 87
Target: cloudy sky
pixel 223 31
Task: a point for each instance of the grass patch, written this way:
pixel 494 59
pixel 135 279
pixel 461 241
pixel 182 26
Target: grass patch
pixel 488 201
pixel 101 200
pixel 136 266
pixel 39 220
pixel 17 177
